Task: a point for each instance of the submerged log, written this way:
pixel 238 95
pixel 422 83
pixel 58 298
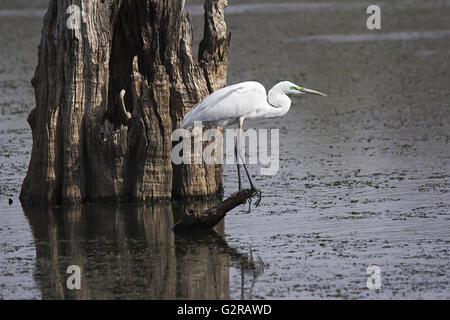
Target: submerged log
pixel 212 216
pixel 109 92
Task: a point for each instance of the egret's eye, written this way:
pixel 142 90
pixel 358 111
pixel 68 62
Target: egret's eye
pixel 296 88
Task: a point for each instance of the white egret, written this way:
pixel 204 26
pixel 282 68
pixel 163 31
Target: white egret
pixel 246 100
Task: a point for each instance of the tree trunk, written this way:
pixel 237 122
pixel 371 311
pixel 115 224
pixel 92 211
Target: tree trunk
pixel 110 93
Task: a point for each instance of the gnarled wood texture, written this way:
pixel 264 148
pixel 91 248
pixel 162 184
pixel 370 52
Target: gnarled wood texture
pixel 110 93
pixel 209 218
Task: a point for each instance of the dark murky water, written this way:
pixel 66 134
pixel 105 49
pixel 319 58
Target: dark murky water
pixel 364 174
pixel 128 252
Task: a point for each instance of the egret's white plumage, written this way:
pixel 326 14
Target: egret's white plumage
pixel 245 100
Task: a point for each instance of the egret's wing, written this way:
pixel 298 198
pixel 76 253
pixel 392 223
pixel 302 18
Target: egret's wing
pixel 226 104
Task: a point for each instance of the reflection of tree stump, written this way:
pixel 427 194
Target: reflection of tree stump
pixel 126 252
pixel 92 141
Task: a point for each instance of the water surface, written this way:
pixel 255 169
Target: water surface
pixel 364 174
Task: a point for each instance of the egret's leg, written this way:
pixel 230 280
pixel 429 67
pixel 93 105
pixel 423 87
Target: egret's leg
pixel 241 122
pixel 238 166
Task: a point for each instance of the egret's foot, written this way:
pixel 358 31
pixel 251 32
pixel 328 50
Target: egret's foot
pixel 257 193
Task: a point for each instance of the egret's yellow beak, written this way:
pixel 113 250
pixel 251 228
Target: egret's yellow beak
pixel 317 93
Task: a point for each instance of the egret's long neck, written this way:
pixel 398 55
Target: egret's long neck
pixel 279 102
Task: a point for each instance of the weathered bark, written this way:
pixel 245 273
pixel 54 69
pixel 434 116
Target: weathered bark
pixel 109 95
pixel 209 218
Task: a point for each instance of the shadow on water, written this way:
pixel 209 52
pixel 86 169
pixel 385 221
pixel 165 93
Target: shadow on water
pixel 131 252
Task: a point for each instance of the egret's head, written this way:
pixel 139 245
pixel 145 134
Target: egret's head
pixel 292 88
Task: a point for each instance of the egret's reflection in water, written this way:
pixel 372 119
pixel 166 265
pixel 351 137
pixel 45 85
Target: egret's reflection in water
pixel 130 252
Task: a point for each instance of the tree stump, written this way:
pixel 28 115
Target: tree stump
pixel 110 91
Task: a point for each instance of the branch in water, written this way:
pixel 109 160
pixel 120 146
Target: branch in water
pixel 212 216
